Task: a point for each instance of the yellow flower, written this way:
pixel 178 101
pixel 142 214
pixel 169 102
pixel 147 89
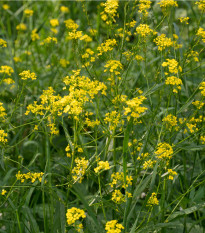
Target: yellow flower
pixel 170 121
pixel 163 42
pixel 201 33
pixel 6 70
pixel 3 136
pixel 26 74
pixel 79 170
pixel 201 5
pixel 174 81
pixel 73 214
pixel 102 166
pixel 64 9
pixel 202 88
pixel 144 30
pixel 34 35
pixel 198 104
pixel 28 12
pixel 113 66
pixel 184 20
pixel 153 200
pixel 106 46
pixel 49 40
pixel 3 192
pixel 3 43
pixel 171 174
pixel 21 27
pixel 118 197
pixel 32 176
pixel 113 227
pixel 64 63
pixel 144 5
pixel 110 11
pixel 164 151
pixel 54 22
pixel 165 4
pixel 173 66
pixel 5 6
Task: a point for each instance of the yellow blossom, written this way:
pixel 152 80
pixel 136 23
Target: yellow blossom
pixel 174 81
pixel 5 6
pixel 164 151
pixel 113 227
pixel 54 22
pixel 166 4
pixel 171 174
pixel 144 30
pixel 32 176
pixel 201 33
pixel 79 170
pixel 73 214
pixel 184 20
pixel 163 42
pixel 3 192
pixel 153 200
pixel 3 43
pixel 64 9
pixel 102 166
pixel 34 35
pixel 110 11
pixel 26 74
pixel 202 88
pixel 6 70
pixel 21 27
pixel 28 12
pixel 201 5
pixel 198 104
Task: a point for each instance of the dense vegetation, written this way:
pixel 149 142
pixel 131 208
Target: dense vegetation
pixel 102 116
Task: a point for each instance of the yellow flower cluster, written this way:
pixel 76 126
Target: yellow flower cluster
pixel 49 40
pixel 113 118
pixel 5 6
pixel 32 176
pixel 26 74
pixel 71 25
pixel 184 20
pixel 106 46
pixel 144 30
pixel 110 11
pixel 201 33
pixel 21 27
pixel 171 174
pixel 6 70
pixel 64 63
pixel 202 88
pixel 139 58
pixel 170 121
pixel 148 164
pixel 73 214
pixel 174 81
pixel 201 5
pixel 198 104
pixel 67 149
pixel 2 112
pixel 173 66
pixel 102 166
pixel 3 192
pixel 113 66
pixel 134 107
pixel 118 179
pixel 34 35
pixel 163 42
pixel 202 139
pixel 3 43
pixel 28 12
pixel 79 170
pixel 54 23
pixel 166 4
pixel 3 136
pixel 153 200
pixel 64 9
pixel 164 151
pixel 144 5
pixel 194 55
pixel 118 197
pixel 88 57
pixel 113 227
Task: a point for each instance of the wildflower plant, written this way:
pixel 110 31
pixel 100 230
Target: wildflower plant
pixel 102 116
